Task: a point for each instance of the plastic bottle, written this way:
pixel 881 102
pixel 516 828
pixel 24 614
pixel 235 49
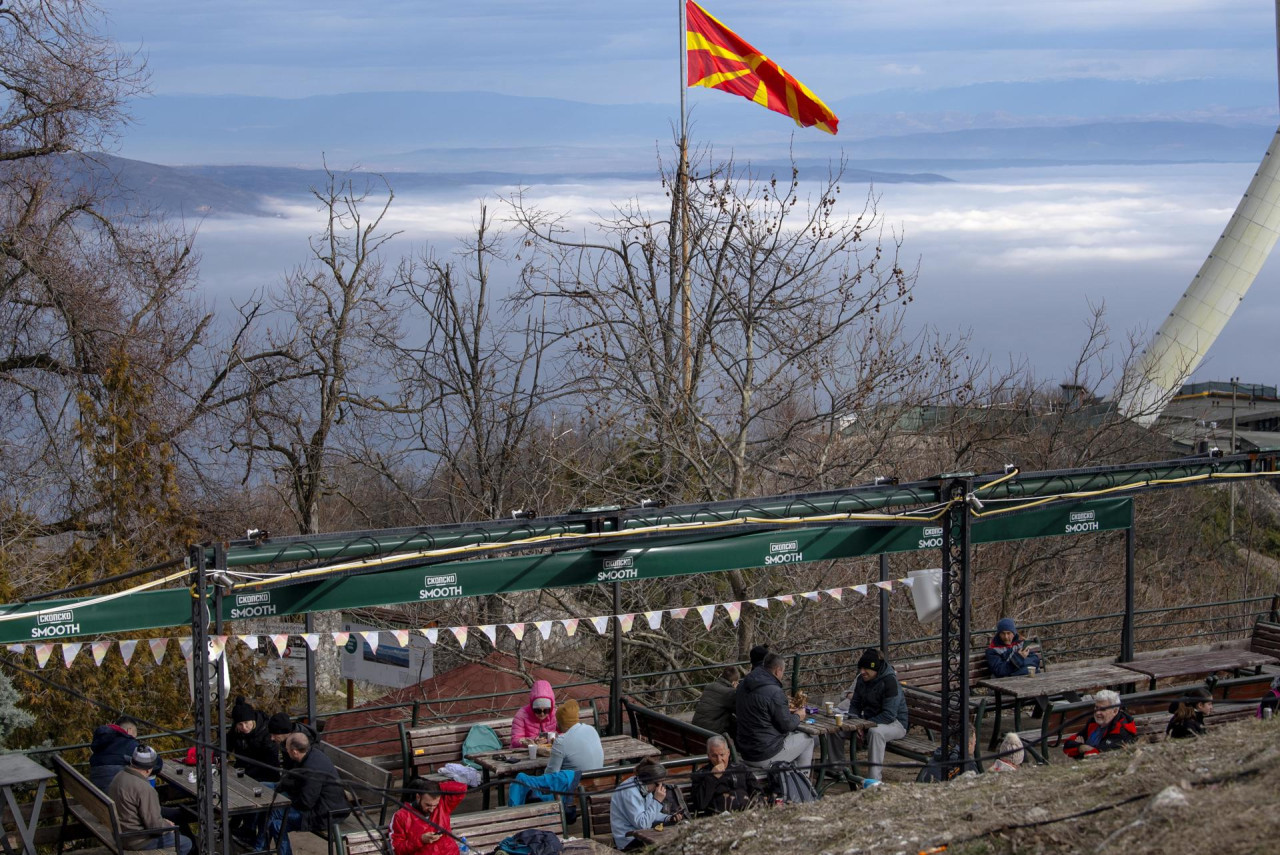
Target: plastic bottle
pixel 463 848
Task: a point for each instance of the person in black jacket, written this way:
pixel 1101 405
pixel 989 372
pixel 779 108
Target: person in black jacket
pixel 876 695
pixel 1188 714
pixel 314 790
pixel 112 750
pixel 766 723
pixel 250 741
pixel 720 785
pixel 715 708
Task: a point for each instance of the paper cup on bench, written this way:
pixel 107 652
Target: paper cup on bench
pixel 533 751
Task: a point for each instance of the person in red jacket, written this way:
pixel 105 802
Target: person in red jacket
pixel 1111 728
pixel 432 798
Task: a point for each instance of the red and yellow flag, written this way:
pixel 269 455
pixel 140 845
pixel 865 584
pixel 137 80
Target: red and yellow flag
pixel 720 59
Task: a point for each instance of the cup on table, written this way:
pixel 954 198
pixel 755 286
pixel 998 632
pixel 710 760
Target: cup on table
pixel 257 792
pixel 239 773
pixel 533 751
pixel 829 707
pixel 839 719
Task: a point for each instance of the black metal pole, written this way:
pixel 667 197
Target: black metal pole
pixel 1126 632
pixel 223 679
pixel 615 685
pixel 955 619
pixel 884 606
pixel 202 706
pixel 309 626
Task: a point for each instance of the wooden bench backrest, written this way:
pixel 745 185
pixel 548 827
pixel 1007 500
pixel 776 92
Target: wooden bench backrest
pixel 367 783
pixel 365 843
pixel 664 731
pixel 927 673
pixel 596 787
pixel 484 830
pixel 431 747
pixel 1266 638
pixel 94 805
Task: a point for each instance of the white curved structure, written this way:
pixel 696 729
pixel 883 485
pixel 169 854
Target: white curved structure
pixel 1198 318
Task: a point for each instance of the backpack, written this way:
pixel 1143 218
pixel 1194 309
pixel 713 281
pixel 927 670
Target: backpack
pixel 790 784
pixel 480 737
pixel 531 841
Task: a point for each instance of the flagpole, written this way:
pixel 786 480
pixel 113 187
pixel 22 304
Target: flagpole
pixel 682 185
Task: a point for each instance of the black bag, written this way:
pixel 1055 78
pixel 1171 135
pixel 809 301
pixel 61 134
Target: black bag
pixel 531 841
pixel 790 784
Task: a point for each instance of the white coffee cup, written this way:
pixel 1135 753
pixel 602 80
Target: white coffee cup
pixel 533 751
pixel 839 719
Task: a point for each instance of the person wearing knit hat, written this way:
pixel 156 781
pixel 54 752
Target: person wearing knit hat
pixel 1008 655
pixel 138 806
pixel 876 695
pixel 578 747
pixel 249 740
pixel 637 803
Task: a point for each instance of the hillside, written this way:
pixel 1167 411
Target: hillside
pixel 1216 794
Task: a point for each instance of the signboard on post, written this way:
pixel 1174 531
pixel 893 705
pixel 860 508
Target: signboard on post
pixel 390 664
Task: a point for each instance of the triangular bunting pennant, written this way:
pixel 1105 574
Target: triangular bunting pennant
pixel 184 644
pixel 861 589
pixel 250 641
pixel 517 629
pixel 734 611
pixel 786 598
pixel 834 593
pixel 432 634
pixel 654 618
pixel 217 644
pixel 600 623
pixel 371 637
pixel 460 633
pixel 99 650
pixel 544 629
pixel 810 595
pixel 708 614
pixel 402 637
pixel 909 582
pixel 311 639
pixel 159 646
pixel 126 649
pixel 42 653
pixel 886 585
pixel 626 621
pixel 341 638
pixel 570 626
pixel 762 603
pixel 678 614
pixel 491 632
pixel 70 652
pixel 17 649
pixel 281 642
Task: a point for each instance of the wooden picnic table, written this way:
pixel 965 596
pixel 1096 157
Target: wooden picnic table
pixel 823 728
pixel 654 836
pixel 1195 664
pixel 18 770
pixel 1047 684
pixel 240 790
pixel 584 846
pixel 505 764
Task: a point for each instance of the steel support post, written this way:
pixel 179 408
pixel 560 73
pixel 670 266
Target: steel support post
pixel 955 620
pixel 309 626
pixel 884 606
pixel 222 680
pixel 1126 631
pixel 202 702
pixel 615 684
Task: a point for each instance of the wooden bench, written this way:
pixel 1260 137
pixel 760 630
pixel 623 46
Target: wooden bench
pixel 426 749
pixel 484 830
pixel 367 788
pixel 598 785
pixel 667 732
pixel 924 711
pixel 95 811
pixel 1265 638
pixel 596 821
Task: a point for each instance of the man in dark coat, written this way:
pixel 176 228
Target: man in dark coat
pixel 720 785
pixel 1008 655
pixel 876 695
pixel 314 790
pixel 112 751
pixel 767 725
pixel 716 707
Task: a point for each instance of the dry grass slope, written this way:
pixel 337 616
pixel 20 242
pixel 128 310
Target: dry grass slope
pixel 1218 794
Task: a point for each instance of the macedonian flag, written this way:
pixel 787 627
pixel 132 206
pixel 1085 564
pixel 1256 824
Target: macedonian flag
pixel 720 59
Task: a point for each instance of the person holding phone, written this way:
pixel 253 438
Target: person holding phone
pixel 637 804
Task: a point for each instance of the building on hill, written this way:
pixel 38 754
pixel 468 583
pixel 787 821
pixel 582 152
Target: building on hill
pixel 1206 415
pixel 371 730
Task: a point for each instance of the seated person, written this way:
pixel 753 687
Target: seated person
pixel 138 806
pixel 535 718
pixel 112 750
pixel 1007 654
pixel 1272 698
pixel 311 782
pixel 715 708
pixel 1111 728
pixel 250 740
pixel 1188 714
pixel 578 747
pixel 1010 753
pixel 757 654
pixel 767 723
pixel 424 825
pixel 637 804
pixel 877 696
pixel 720 786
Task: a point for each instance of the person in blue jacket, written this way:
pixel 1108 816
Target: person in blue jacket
pixel 637 804
pixel 112 750
pixel 1007 654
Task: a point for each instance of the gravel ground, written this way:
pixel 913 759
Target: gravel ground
pixel 1218 794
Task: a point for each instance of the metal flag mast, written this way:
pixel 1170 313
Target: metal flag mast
pixel 682 215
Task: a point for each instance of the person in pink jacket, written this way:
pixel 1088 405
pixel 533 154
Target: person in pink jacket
pixel 536 717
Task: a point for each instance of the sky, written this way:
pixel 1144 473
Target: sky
pixel 623 51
